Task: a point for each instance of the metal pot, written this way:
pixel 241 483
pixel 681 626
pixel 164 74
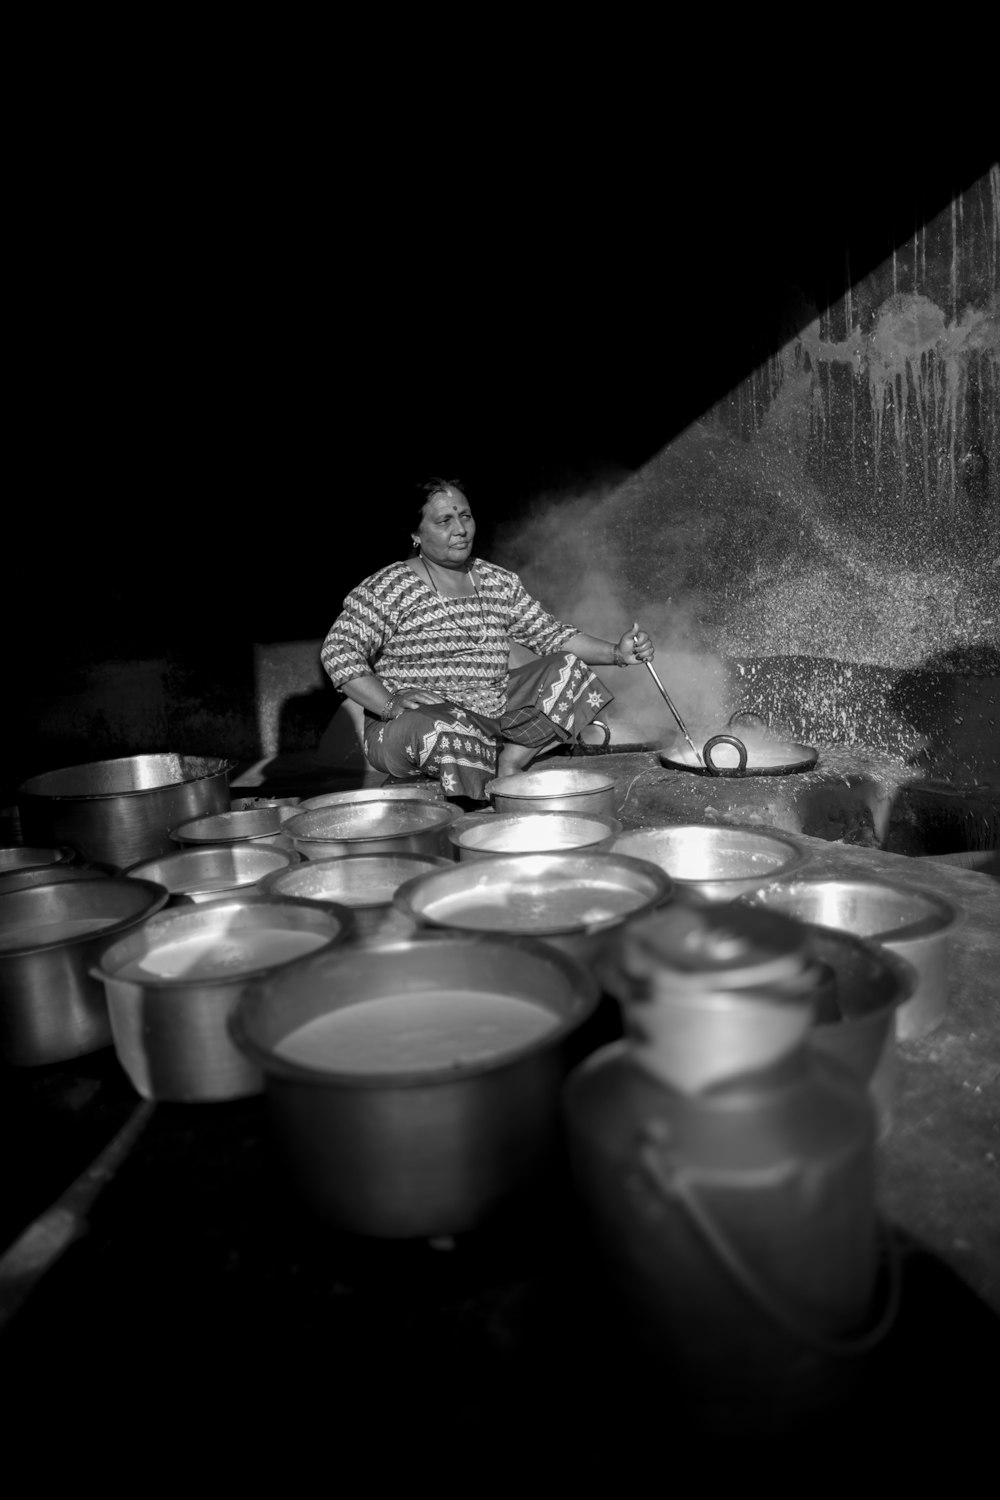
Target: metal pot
pixel 869 986
pixel 431 1151
pixel 380 826
pixel 206 874
pixel 51 1008
pixel 172 985
pixel 258 825
pixel 914 923
pixel 419 790
pixel 484 835
pixel 554 790
pixel 117 812
pixel 576 902
pixel 367 883
pixel 714 861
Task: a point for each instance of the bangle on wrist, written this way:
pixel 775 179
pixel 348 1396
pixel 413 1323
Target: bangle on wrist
pixel 619 657
pixel 387 708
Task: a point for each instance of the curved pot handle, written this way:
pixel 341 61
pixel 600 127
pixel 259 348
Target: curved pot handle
pixel 748 717
pixel 725 739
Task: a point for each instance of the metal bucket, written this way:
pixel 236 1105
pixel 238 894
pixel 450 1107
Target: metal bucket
pixel 414 1152
pixel 714 861
pixel 117 812
pixel 169 1011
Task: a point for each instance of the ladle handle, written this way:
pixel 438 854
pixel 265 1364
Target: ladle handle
pixel 667 700
pixel 725 739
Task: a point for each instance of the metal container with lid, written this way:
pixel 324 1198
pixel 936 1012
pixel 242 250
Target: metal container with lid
pixel 205 874
pixel 366 883
pixel 727 1172
pixel 556 790
pixel 380 826
pixel 483 835
pixel 714 861
pixel 117 812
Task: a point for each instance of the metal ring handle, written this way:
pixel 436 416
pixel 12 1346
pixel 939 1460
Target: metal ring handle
pixel 724 739
pixel 748 717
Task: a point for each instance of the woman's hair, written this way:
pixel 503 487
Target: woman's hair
pixel 427 489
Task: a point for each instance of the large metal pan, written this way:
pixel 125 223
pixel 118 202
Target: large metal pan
pixel 757 754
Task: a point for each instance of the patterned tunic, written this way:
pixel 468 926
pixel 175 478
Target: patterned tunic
pixel 395 625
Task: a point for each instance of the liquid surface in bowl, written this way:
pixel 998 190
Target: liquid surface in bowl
pixel 399 1033
pixel 534 908
pixel 25 935
pixel 220 956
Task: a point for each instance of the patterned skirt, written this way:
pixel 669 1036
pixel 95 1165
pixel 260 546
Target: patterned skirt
pixel 547 701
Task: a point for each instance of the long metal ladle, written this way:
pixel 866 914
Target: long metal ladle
pixel 666 698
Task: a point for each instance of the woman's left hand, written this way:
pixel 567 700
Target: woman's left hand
pixel 636 646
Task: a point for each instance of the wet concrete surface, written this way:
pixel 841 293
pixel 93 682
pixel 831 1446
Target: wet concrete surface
pixel 204 1314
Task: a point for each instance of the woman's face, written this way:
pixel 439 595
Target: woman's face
pixel 447 530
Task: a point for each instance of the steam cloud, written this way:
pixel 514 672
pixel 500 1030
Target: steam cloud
pixel 610 555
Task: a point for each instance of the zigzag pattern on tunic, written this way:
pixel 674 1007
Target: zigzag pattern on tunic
pixel 396 626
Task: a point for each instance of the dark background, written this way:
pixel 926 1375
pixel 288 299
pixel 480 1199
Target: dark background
pixel 246 344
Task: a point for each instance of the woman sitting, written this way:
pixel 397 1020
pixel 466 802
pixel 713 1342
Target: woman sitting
pixel 423 646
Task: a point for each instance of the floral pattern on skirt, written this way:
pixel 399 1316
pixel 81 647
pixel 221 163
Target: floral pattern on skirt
pixel 551 699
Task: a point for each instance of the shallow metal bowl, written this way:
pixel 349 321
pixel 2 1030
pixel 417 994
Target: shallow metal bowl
pixel 554 791
pixel 170 1030
pixel 714 861
pixel 910 921
pixel 414 791
pixel 262 825
pixel 431 1151
pixel 367 883
pixel 206 874
pixel 33 857
pixel 380 826
pixel 483 835
pixel 50 933
pixel 19 880
pixel 574 900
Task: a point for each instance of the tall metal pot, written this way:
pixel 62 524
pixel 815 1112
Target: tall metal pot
pixel 118 812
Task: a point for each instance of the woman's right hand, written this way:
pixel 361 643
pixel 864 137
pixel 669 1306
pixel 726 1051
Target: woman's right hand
pixel 409 697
